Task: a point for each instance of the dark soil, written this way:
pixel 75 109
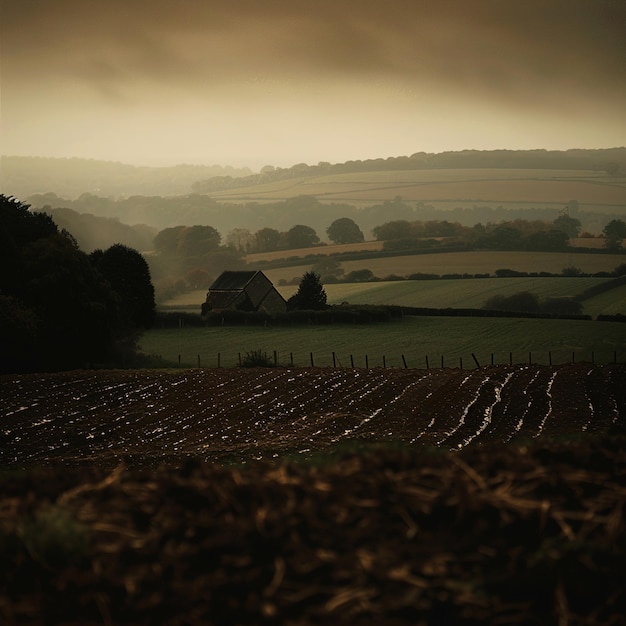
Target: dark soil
pixel 527 532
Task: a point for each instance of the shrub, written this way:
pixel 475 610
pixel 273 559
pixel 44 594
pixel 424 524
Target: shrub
pixel 522 301
pixel 508 273
pixel 256 358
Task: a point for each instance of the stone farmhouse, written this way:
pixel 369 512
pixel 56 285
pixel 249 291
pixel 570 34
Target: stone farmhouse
pixel 244 291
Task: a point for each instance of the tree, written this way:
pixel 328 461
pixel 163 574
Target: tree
pixel 166 240
pixel 241 239
pixel 62 308
pixel 569 225
pixel 392 230
pixel 18 335
pixel 310 295
pixel 301 236
pixel 359 276
pixel 196 241
pixel 267 239
pixel 77 309
pixel 128 274
pixel 615 232
pixel 504 237
pixel 345 230
pixel 329 269
pixel 198 278
pixel 522 301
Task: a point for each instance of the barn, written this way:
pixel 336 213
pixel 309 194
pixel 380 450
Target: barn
pixel 244 291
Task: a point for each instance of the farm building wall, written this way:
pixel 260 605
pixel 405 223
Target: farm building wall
pixel 258 288
pixel 273 303
pixel 249 291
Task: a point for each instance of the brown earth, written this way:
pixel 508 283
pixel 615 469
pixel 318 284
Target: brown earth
pixel 495 495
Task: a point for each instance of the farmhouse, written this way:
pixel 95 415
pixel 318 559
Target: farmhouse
pixel 244 291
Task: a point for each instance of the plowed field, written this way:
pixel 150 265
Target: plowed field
pixel 244 414
pixel 499 497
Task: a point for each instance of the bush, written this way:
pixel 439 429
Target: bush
pixel 423 276
pixel 256 358
pixel 522 301
pixel 507 273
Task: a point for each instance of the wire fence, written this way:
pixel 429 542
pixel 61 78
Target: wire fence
pixel 409 361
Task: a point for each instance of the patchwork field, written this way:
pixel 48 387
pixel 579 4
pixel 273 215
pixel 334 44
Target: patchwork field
pixel 433 186
pixel 459 293
pixel 464 262
pixel 313 495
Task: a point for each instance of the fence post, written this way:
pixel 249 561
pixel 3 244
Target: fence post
pixel 198 360
pixel 492 358
pixel 461 362
pixel 550 357
pixel 291 358
pixel 427 367
pixel 404 361
pixel 275 358
pixel 311 355
pixel 334 360
pixel 510 358
pixel 475 360
pixel 351 361
pixel 384 362
pixel 219 358
pixel 179 360
pixel 367 363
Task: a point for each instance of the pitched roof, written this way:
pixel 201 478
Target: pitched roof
pixel 232 281
pixel 221 299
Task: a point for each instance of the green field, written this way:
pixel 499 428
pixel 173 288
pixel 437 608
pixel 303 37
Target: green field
pixel 483 262
pixel 414 337
pixel 443 293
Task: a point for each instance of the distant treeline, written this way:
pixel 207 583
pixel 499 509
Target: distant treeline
pixel 612 161
pixel 158 213
pixel 25 176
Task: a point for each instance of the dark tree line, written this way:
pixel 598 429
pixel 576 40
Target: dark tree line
pixel 61 308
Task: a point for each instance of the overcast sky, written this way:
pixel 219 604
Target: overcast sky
pixel 257 82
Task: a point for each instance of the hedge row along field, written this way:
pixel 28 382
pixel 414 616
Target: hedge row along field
pixel 390 497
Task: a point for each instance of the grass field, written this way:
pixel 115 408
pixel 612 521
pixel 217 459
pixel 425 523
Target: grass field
pixel 443 293
pixel 593 189
pixel 466 262
pixel 414 337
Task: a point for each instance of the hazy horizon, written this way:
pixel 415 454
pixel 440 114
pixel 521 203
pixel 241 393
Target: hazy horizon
pixel 249 84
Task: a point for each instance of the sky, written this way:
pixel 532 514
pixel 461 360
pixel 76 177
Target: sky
pixel 279 82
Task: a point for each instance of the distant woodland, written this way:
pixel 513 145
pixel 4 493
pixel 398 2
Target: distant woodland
pixel 69 178
pixel 94 220
pixel 174 217
pixel 611 161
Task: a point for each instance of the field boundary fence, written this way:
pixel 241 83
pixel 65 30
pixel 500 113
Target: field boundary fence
pixel 346 360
